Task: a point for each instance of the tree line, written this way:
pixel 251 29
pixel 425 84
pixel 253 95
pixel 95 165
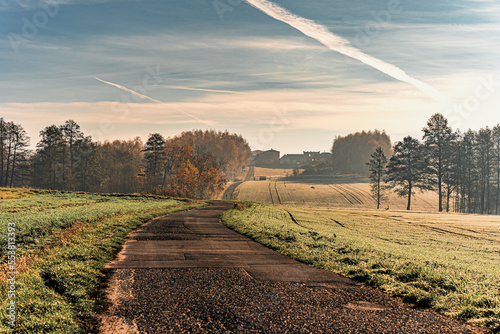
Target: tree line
pixel 194 164
pixel 13 153
pixel 352 151
pixel 462 167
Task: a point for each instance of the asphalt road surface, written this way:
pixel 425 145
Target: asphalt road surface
pixel 228 193
pixel 188 273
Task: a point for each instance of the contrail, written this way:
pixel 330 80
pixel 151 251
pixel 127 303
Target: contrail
pixel 341 45
pixel 203 89
pixel 142 96
pixel 130 91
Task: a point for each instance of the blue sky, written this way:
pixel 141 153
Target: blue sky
pixel 241 70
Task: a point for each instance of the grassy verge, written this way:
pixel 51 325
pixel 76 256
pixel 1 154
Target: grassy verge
pixel 39 214
pixel 450 263
pixel 56 292
pixel 12 193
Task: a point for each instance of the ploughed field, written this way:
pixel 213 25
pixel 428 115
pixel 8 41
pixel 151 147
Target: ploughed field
pixel 323 191
pixel 449 262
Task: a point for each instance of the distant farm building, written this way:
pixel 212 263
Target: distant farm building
pixel 326 157
pixel 311 157
pixel 306 158
pixel 272 158
pixel 267 157
pixel 292 159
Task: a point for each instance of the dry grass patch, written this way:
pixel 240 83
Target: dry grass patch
pixel 327 192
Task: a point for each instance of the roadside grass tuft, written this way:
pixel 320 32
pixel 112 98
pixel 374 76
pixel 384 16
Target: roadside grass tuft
pixel 240 206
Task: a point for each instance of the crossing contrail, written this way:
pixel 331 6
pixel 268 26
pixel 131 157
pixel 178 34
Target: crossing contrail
pixel 145 97
pixel 343 46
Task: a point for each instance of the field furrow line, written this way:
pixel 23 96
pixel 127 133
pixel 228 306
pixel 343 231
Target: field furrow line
pixel 271 193
pixel 440 230
pixel 277 193
pixel 363 194
pixel 341 193
pixel 350 193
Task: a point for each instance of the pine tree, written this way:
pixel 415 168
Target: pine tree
pixel 484 156
pixel 450 167
pixel 155 155
pixel 437 137
pixel 469 144
pixel 496 141
pixel 49 158
pixel 85 164
pixel 408 169
pixel 71 133
pixel 377 167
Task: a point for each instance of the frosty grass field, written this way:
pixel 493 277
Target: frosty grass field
pixel 62 242
pixel 448 262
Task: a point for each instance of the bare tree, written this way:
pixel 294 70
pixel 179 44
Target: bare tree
pixel 20 142
pixel 3 147
pixel 9 147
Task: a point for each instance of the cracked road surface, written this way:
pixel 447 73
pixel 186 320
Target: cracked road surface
pixel 188 273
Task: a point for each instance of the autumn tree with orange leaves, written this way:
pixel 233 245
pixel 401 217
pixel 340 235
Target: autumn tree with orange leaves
pixel 196 164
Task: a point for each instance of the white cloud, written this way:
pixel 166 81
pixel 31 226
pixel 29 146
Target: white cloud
pixel 245 112
pixel 392 106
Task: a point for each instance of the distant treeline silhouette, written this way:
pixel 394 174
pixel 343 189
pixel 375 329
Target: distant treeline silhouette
pixel 350 153
pixel 195 164
pixel 464 168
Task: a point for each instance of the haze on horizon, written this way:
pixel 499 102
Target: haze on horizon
pixel 126 68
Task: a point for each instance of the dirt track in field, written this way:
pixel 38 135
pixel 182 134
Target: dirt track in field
pixel 188 273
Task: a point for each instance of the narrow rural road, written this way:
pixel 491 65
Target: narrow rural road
pixel 188 273
pixel 228 194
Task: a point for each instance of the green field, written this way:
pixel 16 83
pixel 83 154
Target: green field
pixel 448 262
pixel 63 241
